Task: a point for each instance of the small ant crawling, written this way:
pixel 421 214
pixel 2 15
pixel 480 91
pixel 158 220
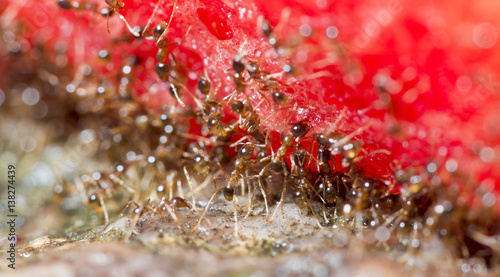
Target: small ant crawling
pixel 164 205
pixel 104 187
pixel 277 164
pixel 116 5
pixel 238 175
pixel 301 176
pixel 211 108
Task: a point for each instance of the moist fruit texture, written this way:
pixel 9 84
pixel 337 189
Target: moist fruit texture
pixel 382 107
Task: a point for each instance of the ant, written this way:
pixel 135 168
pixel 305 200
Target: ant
pixel 149 208
pixel 237 175
pixel 159 33
pixel 324 157
pixel 239 66
pixel 211 109
pixel 249 119
pixel 105 187
pixel 114 6
pixel 267 81
pixel 300 176
pixel 199 157
pixel 163 69
pixel 228 190
pixel 277 164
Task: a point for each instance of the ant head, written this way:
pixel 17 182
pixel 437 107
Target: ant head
pixel 159 29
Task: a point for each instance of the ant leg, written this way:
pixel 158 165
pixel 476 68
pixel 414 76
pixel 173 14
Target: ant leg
pixel 281 203
pixel 230 96
pixel 324 195
pixel 188 178
pixel 130 29
pixel 107 22
pixel 125 209
pixel 196 100
pixel 206 209
pixel 183 38
pixel 347 138
pixel 235 220
pixel 179 188
pixel 316 75
pixel 170 182
pixel 104 209
pixel 161 38
pixel 146 32
pixel 174 89
pixel 120 182
pixel 314 213
pixel 250 204
pixel 204 184
pixel 173 215
pixel 238 142
pixel 261 187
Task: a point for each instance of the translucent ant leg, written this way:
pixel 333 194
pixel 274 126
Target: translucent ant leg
pixel 281 203
pixel 314 213
pixel 131 30
pixel 104 209
pixel 173 215
pixel 206 209
pixel 204 184
pixel 188 178
pixel 165 32
pixel 236 220
pixel 261 187
pixel 145 32
pixel 196 100
pixel 183 38
pixel 120 182
pixel 176 94
pixel 250 204
pixel 347 138
pixel 316 75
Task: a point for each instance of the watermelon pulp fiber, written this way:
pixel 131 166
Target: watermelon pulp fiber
pixel 416 86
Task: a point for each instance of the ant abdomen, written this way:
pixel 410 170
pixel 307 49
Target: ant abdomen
pixel 300 128
pixel 216 127
pixel 201 165
pixel 238 107
pixel 331 194
pixel 279 98
pixel 178 202
pixel 246 151
pixel 228 192
pixel 163 71
pixel 204 85
pixel 351 149
pixel 238 64
pixel 300 199
pixel 65 4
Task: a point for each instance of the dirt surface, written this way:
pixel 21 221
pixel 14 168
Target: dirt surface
pixel 294 246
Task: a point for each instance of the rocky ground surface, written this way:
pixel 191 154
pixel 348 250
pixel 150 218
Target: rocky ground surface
pixel 292 246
